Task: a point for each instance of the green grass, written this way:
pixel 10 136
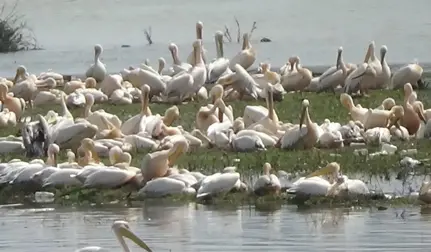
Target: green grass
pixel 322 106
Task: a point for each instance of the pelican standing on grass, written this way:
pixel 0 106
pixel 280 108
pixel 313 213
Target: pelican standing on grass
pixel 97 70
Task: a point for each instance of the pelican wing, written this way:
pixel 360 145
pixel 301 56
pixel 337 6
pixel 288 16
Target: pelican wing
pixel 180 85
pixel 328 72
pixel 354 79
pixel 217 68
pixel 247 82
pixel 218 183
pixel 293 136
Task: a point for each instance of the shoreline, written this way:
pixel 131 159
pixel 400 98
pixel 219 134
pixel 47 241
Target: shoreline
pixel 316 70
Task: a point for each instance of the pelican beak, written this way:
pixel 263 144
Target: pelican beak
pixel 94 154
pixel 422 116
pixel 323 171
pixel 175 155
pixel 301 120
pixel 125 232
pixel 15 79
pixel 393 122
pixel 55 158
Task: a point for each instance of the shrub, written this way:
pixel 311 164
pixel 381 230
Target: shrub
pixel 15 35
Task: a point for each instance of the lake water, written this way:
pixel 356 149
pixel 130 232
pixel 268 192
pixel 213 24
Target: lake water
pixel 68 29
pixel 204 228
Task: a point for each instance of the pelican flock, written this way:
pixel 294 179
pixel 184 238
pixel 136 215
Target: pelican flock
pixel 215 83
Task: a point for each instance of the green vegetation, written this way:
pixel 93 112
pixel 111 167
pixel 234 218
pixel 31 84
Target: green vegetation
pixel 15 35
pixel 322 106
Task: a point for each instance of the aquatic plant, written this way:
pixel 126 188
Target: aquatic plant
pixel 15 34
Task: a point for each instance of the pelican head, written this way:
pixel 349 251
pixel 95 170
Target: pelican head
pixel 53 151
pixel 219 35
pixel 179 147
pixel 267 168
pixel 114 154
pixel 172 47
pixel 90 82
pixel 70 156
pixel 388 103
pixel 383 50
pixel 122 229
pixel 98 49
pixel 419 109
pixel 162 63
pixel 199 27
pixel 408 89
pixel 340 49
pixel 20 72
pixel 305 105
pixel 216 92
pixel 3 91
pixel 397 113
pixel 197 43
pixel 330 169
pixel 370 51
pixel 88 145
pixel 171 114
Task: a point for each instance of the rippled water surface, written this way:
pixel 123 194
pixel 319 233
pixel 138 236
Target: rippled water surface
pixel 68 29
pixel 201 228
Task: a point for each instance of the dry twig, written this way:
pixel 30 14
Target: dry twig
pixel 238 38
pixel 148 35
pixel 227 34
pixel 254 27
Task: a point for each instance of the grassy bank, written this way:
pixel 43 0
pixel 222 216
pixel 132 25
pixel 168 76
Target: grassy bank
pixel 323 106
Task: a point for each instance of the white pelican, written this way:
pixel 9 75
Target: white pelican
pixel 219 66
pixel 267 183
pixel 177 65
pixel 180 86
pixel 353 187
pixel 360 79
pixel 373 62
pixel 357 113
pixel 97 70
pixel 192 58
pixel 298 78
pixel 411 73
pixel 246 57
pixel 156 164
pixel 199 70
pixel 96 116
pixel 413 114
pixel 133 125
pixel 384 78
pixel 270 121
pixel 306 136
pixel 7 118
pixel 336 75
pixel 240 81
pixel 218 183
pixel 121 229
pixel 165 186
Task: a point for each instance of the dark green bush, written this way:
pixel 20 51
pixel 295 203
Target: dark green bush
pixel 15 35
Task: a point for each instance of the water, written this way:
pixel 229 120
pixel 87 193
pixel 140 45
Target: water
pixel 68 29
pixel 202 228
